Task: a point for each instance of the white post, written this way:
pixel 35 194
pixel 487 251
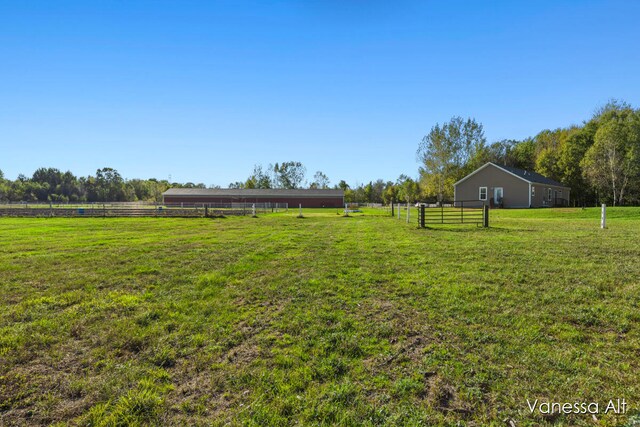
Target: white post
pixel 399 208
pixel 408 210
pixel 253 208
pixel 603 216
pixel 300 206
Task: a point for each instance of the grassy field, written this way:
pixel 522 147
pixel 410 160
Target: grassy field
pixel 324 320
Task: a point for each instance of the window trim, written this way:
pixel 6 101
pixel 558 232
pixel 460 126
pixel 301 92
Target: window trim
pixel 486 193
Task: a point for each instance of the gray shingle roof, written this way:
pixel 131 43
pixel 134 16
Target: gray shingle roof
pixel 531 176
pixel 245 192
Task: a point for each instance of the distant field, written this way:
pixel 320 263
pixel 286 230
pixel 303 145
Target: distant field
pixel 324 320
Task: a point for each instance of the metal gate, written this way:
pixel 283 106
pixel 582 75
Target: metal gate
pixel 456 213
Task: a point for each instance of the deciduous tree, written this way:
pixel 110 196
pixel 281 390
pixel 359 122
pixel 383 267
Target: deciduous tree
pixel 446 150
pixel 613 161
pixel 289 174
pixel 320 180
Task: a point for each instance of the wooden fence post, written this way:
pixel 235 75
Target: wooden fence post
pixel 422 207
pixel 485 216
pixel 392 212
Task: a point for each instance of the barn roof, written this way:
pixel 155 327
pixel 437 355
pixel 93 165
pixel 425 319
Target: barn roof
pixel 253 192
pixel 526 175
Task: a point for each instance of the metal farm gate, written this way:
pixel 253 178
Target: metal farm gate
pixel 455 213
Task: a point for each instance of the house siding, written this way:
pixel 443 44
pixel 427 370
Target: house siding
pixel 540 199
pixel 515 190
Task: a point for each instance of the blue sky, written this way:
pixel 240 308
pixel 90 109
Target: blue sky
pixel 202 91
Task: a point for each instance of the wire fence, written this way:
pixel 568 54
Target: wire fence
pixel 138 209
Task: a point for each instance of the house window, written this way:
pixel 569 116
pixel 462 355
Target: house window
pixel 533 191
pixel 483 193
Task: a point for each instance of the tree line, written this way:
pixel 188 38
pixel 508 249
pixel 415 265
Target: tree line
pixel 291 175
pixel 107 185
pixel 599 159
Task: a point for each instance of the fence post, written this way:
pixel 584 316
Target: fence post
pixel 300 210
pixel 485 216
pixel 399 209
pixel 603 216
pixel 253 209
pixel 392 212
pixel 461 212
pixel 441 213
pixel 408 211
pixel 422 207
pixel 206 211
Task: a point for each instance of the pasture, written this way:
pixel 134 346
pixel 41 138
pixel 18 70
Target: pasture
pixel 323 320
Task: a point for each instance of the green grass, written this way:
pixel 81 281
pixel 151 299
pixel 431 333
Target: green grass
pixel 324 320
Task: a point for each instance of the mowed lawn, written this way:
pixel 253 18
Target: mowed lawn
pixel 324 320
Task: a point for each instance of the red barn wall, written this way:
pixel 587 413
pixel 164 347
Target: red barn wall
pixel 307 202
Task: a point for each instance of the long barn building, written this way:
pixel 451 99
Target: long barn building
pixel 307 198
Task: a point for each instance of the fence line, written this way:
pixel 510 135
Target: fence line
pixel 246 205
pixel 126 209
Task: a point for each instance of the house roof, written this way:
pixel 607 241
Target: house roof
pixel 532 177
pixel 252 192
